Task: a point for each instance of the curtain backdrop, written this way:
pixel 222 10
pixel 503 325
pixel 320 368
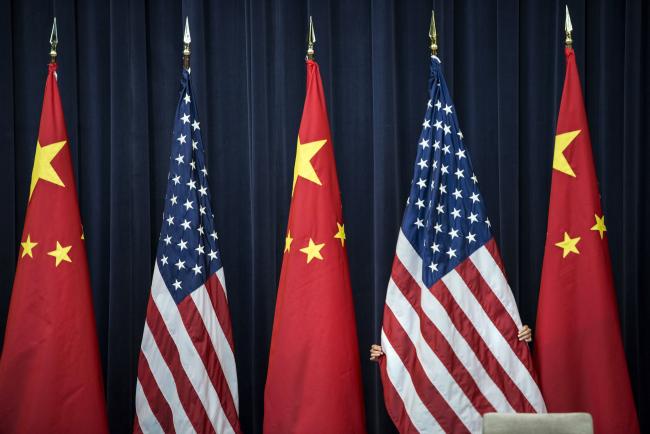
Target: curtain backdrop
pixel 119 72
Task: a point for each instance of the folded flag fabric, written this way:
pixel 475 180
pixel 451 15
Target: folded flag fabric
pixel 50 370
pixel 578 346
pixel 313 384
pixel 187 378
pixel 450 323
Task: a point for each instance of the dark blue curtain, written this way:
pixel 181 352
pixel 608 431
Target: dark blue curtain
pixel 119 72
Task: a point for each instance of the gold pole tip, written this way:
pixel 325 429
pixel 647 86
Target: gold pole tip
pixel 54 40
pixel 311 39
pixel 433 35
pixel 186 34
pixel 568 28
pixel 187 40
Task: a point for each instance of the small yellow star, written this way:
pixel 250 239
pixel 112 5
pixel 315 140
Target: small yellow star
pixel 287 242
pixel 43 165
pixel 303 167
pixel 341 233
pixel 28 245
pixel 568 245
pixel 599 226
pixel 312 251
pixel 562 141
pixel 60 253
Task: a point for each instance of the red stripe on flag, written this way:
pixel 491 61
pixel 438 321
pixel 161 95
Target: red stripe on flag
pixel 428 393
pixel 220 303
pixel 153 395
pixel 188 397
pixel 394 404
pixel 496 311
pixel 412 292
pixel 494 369
pixel 136 426
pixel 200 338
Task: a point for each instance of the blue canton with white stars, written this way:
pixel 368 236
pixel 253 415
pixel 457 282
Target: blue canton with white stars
pixel 188 252
pixel 445 218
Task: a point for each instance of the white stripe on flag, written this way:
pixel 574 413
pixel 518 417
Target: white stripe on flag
pixel 438 315
pixel 189 356
pixel 494 340
pixel 399 376
pixel 165 381
pixel 493 276
pixel 432 366
pixel 146 419
pixel 219 341
pixel 222 279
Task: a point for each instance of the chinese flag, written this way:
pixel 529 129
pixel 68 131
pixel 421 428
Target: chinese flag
pixel 313 384
pixel 578 346
pixel 50 373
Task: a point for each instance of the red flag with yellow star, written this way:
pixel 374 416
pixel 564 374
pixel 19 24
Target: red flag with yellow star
pixel 578 346
pixel 313 384
pixel 50 373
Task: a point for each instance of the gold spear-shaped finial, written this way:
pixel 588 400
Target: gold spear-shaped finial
pixel 54 40
pixel 311 40
pixel 187 40
pixel 568 28
pixel 433 35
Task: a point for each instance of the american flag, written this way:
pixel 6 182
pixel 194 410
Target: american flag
pixel 450 322
pixel 187 379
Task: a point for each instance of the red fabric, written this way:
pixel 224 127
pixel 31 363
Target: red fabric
pixel 50 372
pixel 579 351
pixel 436 340
pixel 313 383
pixel 426 391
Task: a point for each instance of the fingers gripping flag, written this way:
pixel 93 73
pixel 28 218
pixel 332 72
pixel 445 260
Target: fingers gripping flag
pixel 187 380
pixel 450 319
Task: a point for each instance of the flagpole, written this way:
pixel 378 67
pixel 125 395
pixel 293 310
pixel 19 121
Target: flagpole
pixel 568 28
pixel 187 40
pixel 433 35
pixel 311 40
pixel 54 40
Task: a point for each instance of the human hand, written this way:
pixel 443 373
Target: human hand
pixel 376 352
pixel 525 334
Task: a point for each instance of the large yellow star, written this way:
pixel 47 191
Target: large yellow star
pixel 303 167
pixel 562 141
pixel 287 242
pixel 28 245
pixel 43 165
pixel 568 245
pixel 312 251
pixel 60 253
pixel 599 226
pixel 341 233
